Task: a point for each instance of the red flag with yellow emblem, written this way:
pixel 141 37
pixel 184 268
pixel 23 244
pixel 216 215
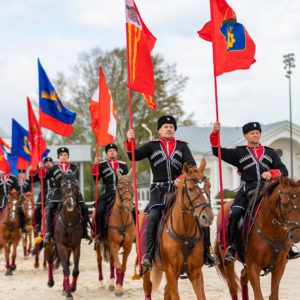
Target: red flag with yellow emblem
pixel 140 43
pixel 36 140
pixel 233 47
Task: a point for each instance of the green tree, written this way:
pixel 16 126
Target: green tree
pixel 80 86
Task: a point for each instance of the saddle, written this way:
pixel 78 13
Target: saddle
pixel 244 225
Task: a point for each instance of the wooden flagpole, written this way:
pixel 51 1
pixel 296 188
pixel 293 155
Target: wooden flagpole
pixel 138 242
pixel 218 136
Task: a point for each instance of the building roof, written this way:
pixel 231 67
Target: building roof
pixel 198 137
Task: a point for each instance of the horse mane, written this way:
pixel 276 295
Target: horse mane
pixel 269 188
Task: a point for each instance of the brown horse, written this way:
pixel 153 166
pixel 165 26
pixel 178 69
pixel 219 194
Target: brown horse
pixel 121 233
pixel 68 230
pixel 27 204
pixel 181 241
pixel 10 231
pixel 275 227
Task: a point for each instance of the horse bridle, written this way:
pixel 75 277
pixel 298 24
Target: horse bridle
pixel 295 206
pixel 125 198
pixel 70 192
pixel 192 206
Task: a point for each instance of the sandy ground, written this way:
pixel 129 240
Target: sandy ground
pixel 29 283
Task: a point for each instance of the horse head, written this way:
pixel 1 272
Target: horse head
pixel 27 205
pixel 70 192
pixel 288 206
pixel 195 191
pixel 12 205
pixel 125 190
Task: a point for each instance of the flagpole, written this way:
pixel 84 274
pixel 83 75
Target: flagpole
pixel 96 188
pixel 41 174
pixel 218 136
pixel 134 182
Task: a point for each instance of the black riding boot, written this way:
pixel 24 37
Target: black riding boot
pixel 229 255
pixel 209 259
pixel 22 220
pixel 38 218
pixel 155 216
pixel 49 221
pixel 85 218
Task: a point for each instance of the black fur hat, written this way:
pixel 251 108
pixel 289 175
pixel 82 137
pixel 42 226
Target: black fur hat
pixel 166 120
pixel 251 126
pixel 110 146
pixel 62 150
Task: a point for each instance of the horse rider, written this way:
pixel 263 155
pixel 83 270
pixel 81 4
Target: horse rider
pixel 57 172
pixel 23 184
pixel 48 185
pixel 9 182
pixel 256 164
pixel 166 156
pixel 106 171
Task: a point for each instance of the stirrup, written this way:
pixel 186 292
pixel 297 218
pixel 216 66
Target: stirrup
pixel 229 255
pixel 211 260
pixel 146 264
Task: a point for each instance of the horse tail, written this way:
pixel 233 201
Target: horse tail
pixel 220 267
pixel 156 277
pixel 105 249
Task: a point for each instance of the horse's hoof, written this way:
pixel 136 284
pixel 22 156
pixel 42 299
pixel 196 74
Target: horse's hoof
pixel 50 283
pixel 119 293
pixel 73 289
pixel 8 272
pixel 69 296
pixel 13 267
pixel 36 265
pixel 111 287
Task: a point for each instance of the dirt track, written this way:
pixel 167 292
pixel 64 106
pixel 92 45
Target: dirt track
pixel 29 283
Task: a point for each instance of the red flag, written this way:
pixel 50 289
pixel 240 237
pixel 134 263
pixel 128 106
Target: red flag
pixel 140 43
pixel 103 114
pixel 36 140
pixel 4 165
pixel 233 47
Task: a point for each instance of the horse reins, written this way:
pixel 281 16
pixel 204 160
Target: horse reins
pixel 189 242
pixel 284 224
pixel 124 200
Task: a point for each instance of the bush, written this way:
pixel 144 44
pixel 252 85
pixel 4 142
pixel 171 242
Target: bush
pixel 228 194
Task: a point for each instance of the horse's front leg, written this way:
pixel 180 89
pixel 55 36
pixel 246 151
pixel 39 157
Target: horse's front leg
pixel 127 249
pixel 75 274
pixel 14 254
pixel 277 274
pixel 196 279
pixel 253 275
pixel 171 290
pixel 24 243
pixel 99 262
pixel 147 285
pixel 6 247
pixel 64 256
pixel 114 247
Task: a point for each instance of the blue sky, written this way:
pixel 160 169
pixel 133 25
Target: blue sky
pixel 57 31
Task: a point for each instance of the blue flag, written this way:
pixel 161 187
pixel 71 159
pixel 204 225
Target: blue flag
pixel 53 115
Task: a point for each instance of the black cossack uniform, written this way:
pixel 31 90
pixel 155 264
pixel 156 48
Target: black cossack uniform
pixel 57 173
pixel 165 170
pixel 108 191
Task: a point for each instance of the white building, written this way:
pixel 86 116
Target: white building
pixel 275 135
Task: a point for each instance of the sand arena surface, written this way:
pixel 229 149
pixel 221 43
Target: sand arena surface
pixel 29 283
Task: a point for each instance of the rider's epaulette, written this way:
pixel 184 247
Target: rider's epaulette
pixel 241 146
pixel 121 162
pixel 269 148
pixel 102 161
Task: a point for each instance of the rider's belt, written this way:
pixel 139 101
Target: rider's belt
pixel 164 182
